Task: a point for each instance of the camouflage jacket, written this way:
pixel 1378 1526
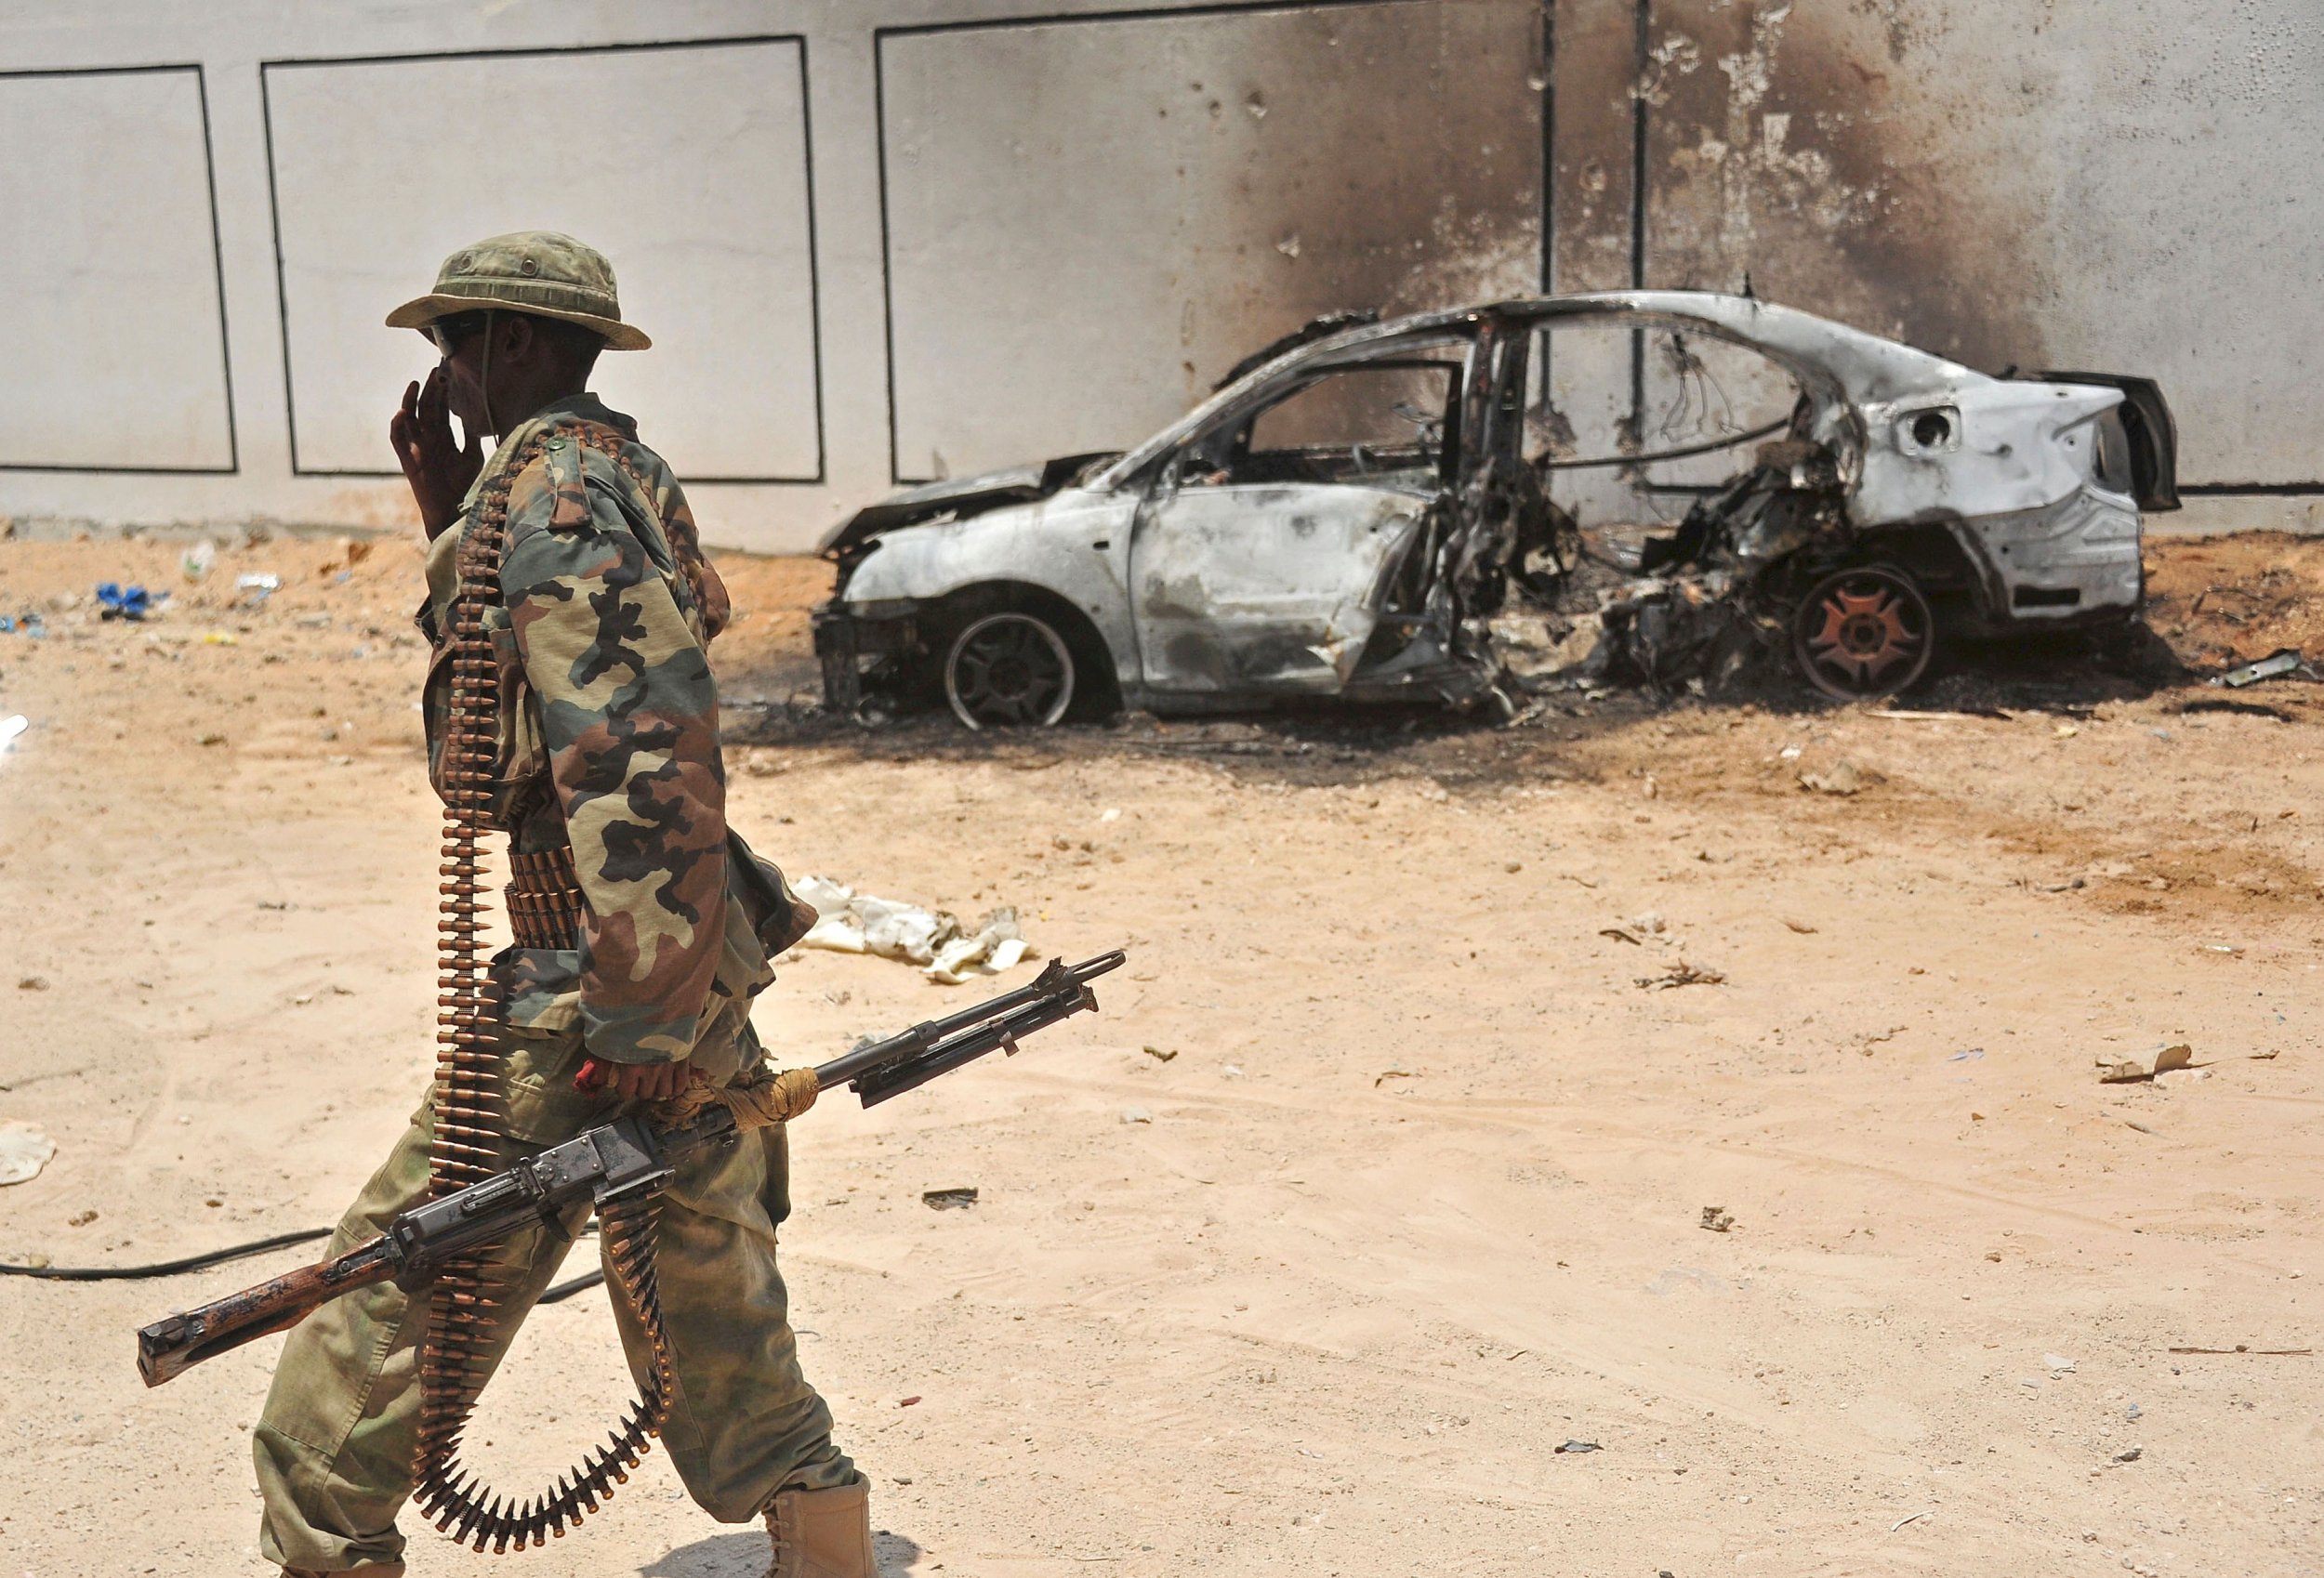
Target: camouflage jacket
pixel 609 740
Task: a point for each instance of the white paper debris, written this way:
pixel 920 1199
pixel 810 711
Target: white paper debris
pixel 936 940
pixel 24 1150
pixel 11 727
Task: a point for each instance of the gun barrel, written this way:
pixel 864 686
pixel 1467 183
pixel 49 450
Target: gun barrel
pixel 1058 978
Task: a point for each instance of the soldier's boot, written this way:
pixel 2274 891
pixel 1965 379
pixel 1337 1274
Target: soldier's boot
pixel 823 1533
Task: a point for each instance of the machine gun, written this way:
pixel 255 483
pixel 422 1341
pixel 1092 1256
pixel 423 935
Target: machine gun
pixel 625 1158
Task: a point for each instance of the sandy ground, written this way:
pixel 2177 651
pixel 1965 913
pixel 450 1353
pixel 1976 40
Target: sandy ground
pixel 1418 1193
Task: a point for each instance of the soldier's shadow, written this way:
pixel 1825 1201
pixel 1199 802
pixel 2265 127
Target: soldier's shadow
pixel 744 1556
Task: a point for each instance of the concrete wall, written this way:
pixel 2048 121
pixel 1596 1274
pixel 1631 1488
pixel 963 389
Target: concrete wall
pixel 878 240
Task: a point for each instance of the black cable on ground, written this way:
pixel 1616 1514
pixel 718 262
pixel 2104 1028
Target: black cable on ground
pixel 564 1291
pixel 166 1268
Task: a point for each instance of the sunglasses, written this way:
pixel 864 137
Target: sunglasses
pixel 447 333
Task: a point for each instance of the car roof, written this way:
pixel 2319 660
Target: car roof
pixel 1845 363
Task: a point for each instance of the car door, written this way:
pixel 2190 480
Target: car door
pixel 1263 550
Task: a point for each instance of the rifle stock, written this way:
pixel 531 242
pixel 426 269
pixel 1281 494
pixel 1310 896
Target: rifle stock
pixel 169 1348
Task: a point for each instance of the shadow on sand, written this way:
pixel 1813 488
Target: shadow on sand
pixel 745 1556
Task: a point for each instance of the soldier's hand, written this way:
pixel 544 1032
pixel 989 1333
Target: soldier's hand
pixel 438 469
pixel 634 1082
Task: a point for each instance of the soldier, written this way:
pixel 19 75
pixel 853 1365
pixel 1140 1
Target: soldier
pixel 609 782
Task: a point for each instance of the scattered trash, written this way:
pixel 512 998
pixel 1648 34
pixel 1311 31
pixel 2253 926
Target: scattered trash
pixel 1801 927
pixel 1233 1070
pixel 1914 1519
pixel 859 922
pixel 1967 1055
pixel 32 983
pixel 196 561
pixel 132 603
pixel 1136 1115
pixel 1393 1070
pixel 2134 1073
pixel 947 1198
pixel 221 638
pixel 2255 1352
pixel 2133 1412
pixel 1842 778
pixel 2059 1364
pixel 1581 1446
pixel 10 727
pixel 1717 1220
pixel 24 1150
pixel 258 580
pixel 2065 731
pixel 1682 974
pixel 2129 1454
pixel 2227 948
pixel 27 624
pixel 2283 661
pixel 906 1402
pixel 211 738
pixel 1158 1055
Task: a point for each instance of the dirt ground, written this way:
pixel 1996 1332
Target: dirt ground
pixel 1378 1190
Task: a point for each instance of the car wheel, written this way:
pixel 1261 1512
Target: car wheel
pixel 1008 670
pixel 1864 633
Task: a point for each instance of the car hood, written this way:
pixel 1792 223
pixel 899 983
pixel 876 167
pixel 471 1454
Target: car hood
pixel 957 498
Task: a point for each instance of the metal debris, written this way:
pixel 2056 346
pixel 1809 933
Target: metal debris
pixel 1682 974
pixel 2274 665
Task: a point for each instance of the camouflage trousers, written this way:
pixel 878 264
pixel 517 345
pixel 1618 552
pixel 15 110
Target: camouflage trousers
pixel 333 1446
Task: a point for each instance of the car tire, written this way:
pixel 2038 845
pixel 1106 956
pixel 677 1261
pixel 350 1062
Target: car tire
pixel 1864 633
pixel 1009 670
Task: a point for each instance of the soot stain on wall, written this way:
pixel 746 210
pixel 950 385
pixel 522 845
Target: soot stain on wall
pixel 1784 146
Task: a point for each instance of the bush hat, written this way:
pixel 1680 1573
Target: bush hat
pixel 541 272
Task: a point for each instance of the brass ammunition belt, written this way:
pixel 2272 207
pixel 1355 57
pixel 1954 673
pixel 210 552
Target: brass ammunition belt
pixel 470 1141
pixel 545 902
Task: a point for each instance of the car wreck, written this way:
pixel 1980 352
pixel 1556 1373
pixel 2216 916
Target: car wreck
pixel 1354 510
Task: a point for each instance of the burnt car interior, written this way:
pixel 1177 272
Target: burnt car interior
pixel 1383 423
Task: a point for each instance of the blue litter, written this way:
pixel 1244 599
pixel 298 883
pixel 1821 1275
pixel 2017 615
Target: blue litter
pixel 31 625
pixel 116 601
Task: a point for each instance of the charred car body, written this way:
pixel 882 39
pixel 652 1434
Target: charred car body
pixel 1252 552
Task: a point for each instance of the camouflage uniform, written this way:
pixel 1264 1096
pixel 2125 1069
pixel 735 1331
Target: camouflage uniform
pixel 609 741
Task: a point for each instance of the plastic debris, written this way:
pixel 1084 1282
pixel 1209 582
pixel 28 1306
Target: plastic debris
pixel 2132 1071
pixel 10 727
pixel 196 561
pixel 1717 1220
pixel 936 940
pixel 1580 1446
pixel 2059 1364
pixel 24 1150
pixel 258 580
pixel 949 1198
pixel 1136 1115
pixel 2283 661
pixel 117 601
pixel 1159 1054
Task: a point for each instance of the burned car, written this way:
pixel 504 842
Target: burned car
pixel 1354 510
